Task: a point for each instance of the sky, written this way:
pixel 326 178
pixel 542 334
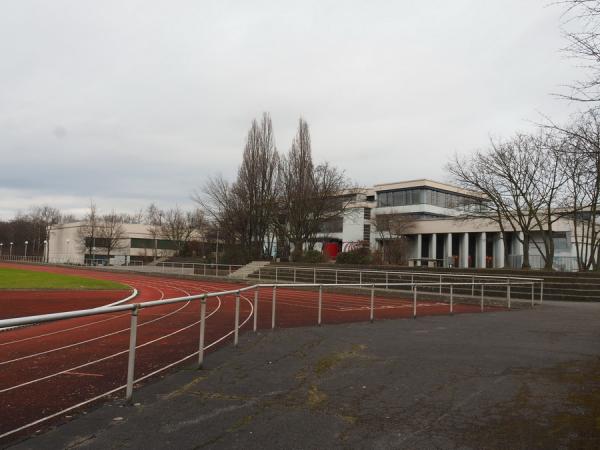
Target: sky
pixel 131 102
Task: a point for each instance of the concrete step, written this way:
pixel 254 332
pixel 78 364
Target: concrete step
pixel 249 269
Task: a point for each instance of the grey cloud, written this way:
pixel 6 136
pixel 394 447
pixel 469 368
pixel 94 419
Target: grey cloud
pixel 136 101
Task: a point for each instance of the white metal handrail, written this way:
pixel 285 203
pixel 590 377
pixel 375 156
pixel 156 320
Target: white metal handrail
pixel 314 271
pixel 136 307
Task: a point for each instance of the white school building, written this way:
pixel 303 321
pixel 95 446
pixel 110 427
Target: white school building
pixel 440 232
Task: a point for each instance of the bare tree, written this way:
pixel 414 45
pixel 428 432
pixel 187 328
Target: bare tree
pixel 309 194
pixel 581 27
pixel 392 230
pixel 256 186
pixel 111 233
pixel 522 182
pixel 580 161
pixel 179 226
pixel 42 216
pixel 153 218
pixel 89 231
pixel 244 211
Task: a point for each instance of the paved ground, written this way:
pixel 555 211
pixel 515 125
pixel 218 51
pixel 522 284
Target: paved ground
pixel 520 379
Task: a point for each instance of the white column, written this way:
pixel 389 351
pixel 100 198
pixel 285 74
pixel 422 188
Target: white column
pixel 464 251
pixel 448 250
pixel 498 251
pixel 418 248
pixel 518 244
pixel 433 246
pixel 481 251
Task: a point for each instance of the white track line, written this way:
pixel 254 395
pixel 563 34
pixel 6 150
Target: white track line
pixel 90 363
pixel 76 327
pixel 16 341
pixel 75 344
pixel 117 389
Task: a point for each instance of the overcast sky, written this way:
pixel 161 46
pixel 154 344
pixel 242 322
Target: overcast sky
pixel 130 102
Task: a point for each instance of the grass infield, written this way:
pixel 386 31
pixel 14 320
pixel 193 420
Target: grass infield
pixel 26 279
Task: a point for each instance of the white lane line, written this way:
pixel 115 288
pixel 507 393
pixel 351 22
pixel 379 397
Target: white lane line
pixel 64 330
pixel 64 347
pixel 84 374
pixel 90 363
pixel 112 391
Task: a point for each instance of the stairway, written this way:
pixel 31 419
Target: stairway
pixel 247 270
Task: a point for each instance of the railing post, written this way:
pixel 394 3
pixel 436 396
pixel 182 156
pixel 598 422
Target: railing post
pixel 255 318
pixel 294 274
pixel 314 275
pixel 440 284
pixel 532 294
pixel 451 298
pixel 336 276
pixel 473 285
pixel 204 269
pixel 320 305
pixel 482 286
pixel 372 302
pixel 237 319
pixel 273 307
pixel 541 292
pixel 414 301
pixel 360 278
pixel 131 359
pixel 508 293
pixel 387 280
pixel 202 329
pixel 276 273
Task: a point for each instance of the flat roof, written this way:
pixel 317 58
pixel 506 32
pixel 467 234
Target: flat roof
pixel 424 182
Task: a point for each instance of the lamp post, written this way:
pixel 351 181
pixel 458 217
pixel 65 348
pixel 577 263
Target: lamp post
pixel 10 251
pixel 45 254
pixel 1 245
pixel 26 242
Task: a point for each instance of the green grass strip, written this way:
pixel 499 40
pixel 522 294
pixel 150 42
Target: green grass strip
pixel 27 279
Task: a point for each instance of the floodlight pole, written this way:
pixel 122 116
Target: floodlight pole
pixel 26 242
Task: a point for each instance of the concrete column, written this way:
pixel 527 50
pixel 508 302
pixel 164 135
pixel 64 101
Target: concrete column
pixel 433 246
pixel 418 248
pixel 448 254
pixel 517 244
pixel 498 251
pixel 481 251
pixel 464 251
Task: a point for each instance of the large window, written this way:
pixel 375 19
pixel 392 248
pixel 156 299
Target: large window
pixel 434 197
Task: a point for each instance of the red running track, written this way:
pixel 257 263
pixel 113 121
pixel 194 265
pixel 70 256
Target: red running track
pixel 47 368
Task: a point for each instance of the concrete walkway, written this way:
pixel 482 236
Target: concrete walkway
pixel 521 380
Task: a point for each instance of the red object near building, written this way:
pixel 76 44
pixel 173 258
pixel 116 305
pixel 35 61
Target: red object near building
pixel 331 249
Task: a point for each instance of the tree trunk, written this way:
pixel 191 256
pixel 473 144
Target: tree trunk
pixel 526 263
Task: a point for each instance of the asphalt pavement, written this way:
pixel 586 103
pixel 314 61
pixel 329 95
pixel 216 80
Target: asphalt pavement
pixel 522 379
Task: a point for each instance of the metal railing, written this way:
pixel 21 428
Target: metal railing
pixel 416 289
pixel 387 278
pixel 35 259
pixel 199 268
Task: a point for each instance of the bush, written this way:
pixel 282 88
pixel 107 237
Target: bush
pixel 358 256
pixel 312 257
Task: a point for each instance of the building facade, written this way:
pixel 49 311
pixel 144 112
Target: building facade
pixel 438 223
pixel 67 244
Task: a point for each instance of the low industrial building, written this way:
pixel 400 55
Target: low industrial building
pixel 67 244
